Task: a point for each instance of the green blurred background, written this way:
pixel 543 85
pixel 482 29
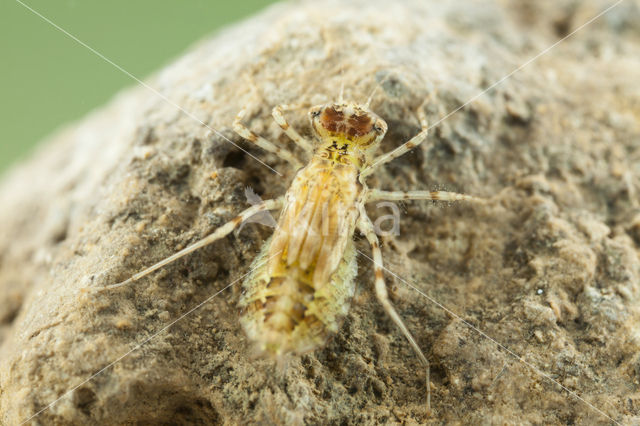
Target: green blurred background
pixel 48 80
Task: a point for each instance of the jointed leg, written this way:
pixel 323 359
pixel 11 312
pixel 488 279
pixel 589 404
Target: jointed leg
pixel 404 148
pixel 366 227
pixel 378 195
pixel 219 233
pixel 243 131
pixel 278 116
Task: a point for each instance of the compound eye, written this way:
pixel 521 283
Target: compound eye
pixel 378 127
pixel 315 112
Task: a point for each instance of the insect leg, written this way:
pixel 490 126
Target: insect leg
pixel 378 195
pixel 366 227
pixel 246 133
pixel 402 149
pixel 278 116
pixel 219 233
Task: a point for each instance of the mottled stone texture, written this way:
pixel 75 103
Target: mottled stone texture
pixel 548 267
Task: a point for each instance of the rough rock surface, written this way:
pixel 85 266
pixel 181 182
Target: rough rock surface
pixel 548 267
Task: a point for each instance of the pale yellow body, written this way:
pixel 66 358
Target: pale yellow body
pixel 295 300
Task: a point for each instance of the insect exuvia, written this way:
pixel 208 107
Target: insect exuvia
pixel 299 287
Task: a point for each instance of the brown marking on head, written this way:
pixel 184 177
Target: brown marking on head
pixel 348 133
pixel 359 125
pixel 332 119
pixel 353 124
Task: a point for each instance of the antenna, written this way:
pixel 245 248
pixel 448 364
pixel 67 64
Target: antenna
pixel 341 97
pixel 375 89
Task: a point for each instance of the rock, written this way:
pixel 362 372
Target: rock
pixel 548 267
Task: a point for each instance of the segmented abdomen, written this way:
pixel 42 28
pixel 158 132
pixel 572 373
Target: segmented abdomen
pixel 286 315
pixel 303 279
